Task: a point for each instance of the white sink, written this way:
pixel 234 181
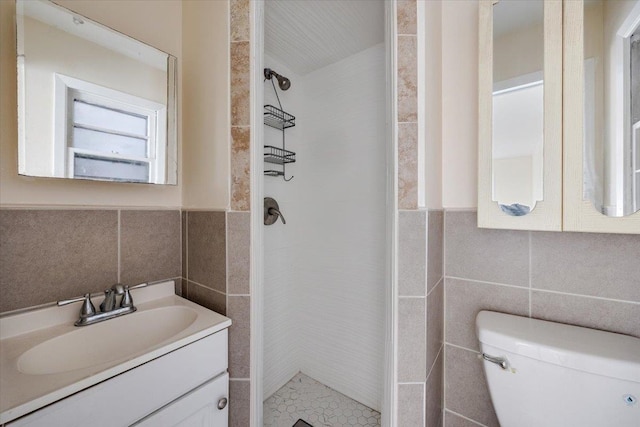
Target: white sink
pixel 105 342
pixel 45 358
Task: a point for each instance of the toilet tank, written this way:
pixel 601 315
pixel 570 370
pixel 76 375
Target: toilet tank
pixel 558 375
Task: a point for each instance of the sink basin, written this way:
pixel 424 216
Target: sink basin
pixel 107 341
pixel 45 358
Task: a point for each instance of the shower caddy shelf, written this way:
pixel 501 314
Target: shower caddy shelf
pixel 281 120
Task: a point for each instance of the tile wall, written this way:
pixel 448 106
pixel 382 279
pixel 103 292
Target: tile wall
pixel 420 252
pixel 48 255
pixel 238 302
pixel 216 275
pixel 420 323
pixel 584 279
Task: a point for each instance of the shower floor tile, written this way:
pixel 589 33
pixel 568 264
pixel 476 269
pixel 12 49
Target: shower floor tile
pixel 307 399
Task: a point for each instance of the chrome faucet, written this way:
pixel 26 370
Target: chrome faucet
pixel 108 309
pixel 109 303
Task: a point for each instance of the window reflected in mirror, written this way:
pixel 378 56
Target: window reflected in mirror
pixel 92 103
pixel 611 169
pixel 518 105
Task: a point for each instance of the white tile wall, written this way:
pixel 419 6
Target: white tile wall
pixel 324 270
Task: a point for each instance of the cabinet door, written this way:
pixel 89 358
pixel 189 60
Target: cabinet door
pixel 198 408
pixel 601 116
pixel 520 114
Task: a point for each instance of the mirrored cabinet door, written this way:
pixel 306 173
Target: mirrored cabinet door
pixel 520 114
pixel 602 116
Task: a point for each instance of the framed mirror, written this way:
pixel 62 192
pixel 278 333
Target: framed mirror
pixel 611 168
pixel 92 103
pixel 520 114
pixel 602 116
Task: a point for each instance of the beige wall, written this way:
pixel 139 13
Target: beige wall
pixel 433 104
pixel 156 22
pixel 460 103
pixel 206 129
pixel 518 52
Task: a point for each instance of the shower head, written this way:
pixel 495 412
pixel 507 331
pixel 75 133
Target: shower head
pixel 283 82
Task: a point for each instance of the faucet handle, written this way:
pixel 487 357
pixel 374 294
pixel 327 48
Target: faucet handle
pixel 87 307
pixel 127 301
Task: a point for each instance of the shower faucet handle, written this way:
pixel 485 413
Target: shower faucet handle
pixel 274 211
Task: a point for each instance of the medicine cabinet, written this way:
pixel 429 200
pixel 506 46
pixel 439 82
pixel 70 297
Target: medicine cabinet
pixel 559 115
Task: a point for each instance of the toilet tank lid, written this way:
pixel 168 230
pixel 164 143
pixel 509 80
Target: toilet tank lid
pixel 599 352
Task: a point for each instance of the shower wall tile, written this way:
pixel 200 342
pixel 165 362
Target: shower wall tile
pixel 240 168
pixel 434 394
pixel 239 20
pixel 239 310
pixel 500 256
pixel 411 405
pixel 435 247
pixel 239 403
pixel 49 255
pixel 412 253
pixel 156 234
pixel 411 340
pixel 613 316
pixel 465 299
pixel 213 300
pixel 238 252
pixel 466 390
pixel 408 166
pixel 240 83
pixel 407 79
pixel 435 323
pixel 206 249
pixel 407 17
pixel 600 265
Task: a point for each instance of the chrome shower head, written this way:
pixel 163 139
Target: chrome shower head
pixel 283 82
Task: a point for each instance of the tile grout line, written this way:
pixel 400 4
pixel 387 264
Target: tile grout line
pixel 462 348
pixel 435 360
pixel 186 248
pixel 424 403
pixel 530 274
pixel 119 231
pixel 444 313
pixel 543 290
pixel 466 418
pixel 206 287
pixel 440 280
pixel 226 263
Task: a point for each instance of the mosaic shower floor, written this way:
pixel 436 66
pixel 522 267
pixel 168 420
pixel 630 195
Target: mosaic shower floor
pixel 307 399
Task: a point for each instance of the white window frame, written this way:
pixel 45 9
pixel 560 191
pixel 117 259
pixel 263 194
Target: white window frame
pixel 68 89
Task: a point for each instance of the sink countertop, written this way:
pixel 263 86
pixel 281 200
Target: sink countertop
pixel 21 393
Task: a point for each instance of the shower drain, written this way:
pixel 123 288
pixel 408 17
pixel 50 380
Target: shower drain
pixel 630 400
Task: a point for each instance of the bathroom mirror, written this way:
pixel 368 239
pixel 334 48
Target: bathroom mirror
pixel 520 114
pixel 518 105
pixel 92 103
pixel 611 162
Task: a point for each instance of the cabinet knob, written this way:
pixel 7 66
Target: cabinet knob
pixel 222 403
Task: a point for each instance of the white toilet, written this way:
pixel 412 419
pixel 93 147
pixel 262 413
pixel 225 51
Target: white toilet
pixel 546 374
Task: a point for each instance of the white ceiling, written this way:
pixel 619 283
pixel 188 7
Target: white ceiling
pixel 307 35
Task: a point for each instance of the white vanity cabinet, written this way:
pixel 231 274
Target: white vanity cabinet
pixel 164 365
pixel 205 406
pixel 181 388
